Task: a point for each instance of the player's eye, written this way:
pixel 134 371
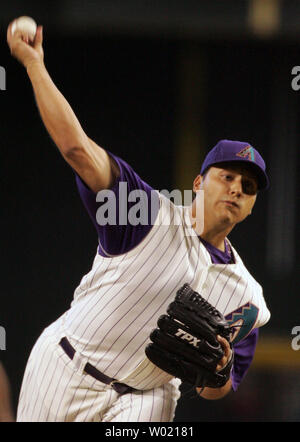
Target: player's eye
pixel 227 177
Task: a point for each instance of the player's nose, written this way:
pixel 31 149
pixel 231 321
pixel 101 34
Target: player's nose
pixel 236 186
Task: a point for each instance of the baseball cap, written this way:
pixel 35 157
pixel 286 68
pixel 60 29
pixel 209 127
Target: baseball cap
pixel 237 151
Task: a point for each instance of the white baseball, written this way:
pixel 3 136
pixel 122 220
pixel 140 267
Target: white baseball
pixel 26 25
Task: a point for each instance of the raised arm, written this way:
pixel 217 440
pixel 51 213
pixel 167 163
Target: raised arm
pixel 89 160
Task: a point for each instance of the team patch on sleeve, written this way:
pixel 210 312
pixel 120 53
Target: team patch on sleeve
pixel 242 320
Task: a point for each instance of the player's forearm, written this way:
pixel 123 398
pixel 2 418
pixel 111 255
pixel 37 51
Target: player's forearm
pixel 56 113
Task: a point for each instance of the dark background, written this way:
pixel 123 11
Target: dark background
pixel 142 77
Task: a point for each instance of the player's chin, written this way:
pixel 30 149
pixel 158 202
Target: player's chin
pixel 229 216
pixel 233 215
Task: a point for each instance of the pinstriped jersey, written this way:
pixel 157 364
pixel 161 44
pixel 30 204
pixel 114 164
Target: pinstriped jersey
pixel 118 302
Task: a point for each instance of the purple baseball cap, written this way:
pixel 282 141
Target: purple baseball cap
pixel 237 151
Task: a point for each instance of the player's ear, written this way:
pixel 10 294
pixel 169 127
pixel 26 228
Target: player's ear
pixel 197 183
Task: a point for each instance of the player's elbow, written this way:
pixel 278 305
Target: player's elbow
pixel 72 144
pixel 77 158
pixel 72 152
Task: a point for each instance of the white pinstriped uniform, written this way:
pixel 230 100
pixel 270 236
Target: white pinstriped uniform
pixel 114 309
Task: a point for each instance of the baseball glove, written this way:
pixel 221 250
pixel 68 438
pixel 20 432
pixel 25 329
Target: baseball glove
pixel 185 343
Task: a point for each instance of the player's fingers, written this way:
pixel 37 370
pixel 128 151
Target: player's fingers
pixel 227 353
pixel 17 35
pixel 224 343
pixel 223 362
pixel 9 34
pixel 38 40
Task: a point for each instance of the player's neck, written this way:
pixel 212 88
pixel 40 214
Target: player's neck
pixel 215 233
pixel 211 231
pixel 216 240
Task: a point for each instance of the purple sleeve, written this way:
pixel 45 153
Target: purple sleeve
pixel 243 356
pixel 129 200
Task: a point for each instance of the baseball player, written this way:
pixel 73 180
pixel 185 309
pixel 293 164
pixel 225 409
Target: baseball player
pixel 90 364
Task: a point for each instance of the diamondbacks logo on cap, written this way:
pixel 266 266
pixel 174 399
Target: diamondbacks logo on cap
pixel 247 153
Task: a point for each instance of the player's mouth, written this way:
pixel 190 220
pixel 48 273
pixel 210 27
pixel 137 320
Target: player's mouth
pixel 231 204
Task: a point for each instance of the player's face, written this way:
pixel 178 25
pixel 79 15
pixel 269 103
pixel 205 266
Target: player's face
pixel 229 193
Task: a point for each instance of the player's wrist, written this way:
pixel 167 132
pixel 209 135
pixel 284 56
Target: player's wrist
pixel 33 65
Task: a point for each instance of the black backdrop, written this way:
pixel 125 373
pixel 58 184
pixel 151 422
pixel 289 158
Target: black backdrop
pixel 124 92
